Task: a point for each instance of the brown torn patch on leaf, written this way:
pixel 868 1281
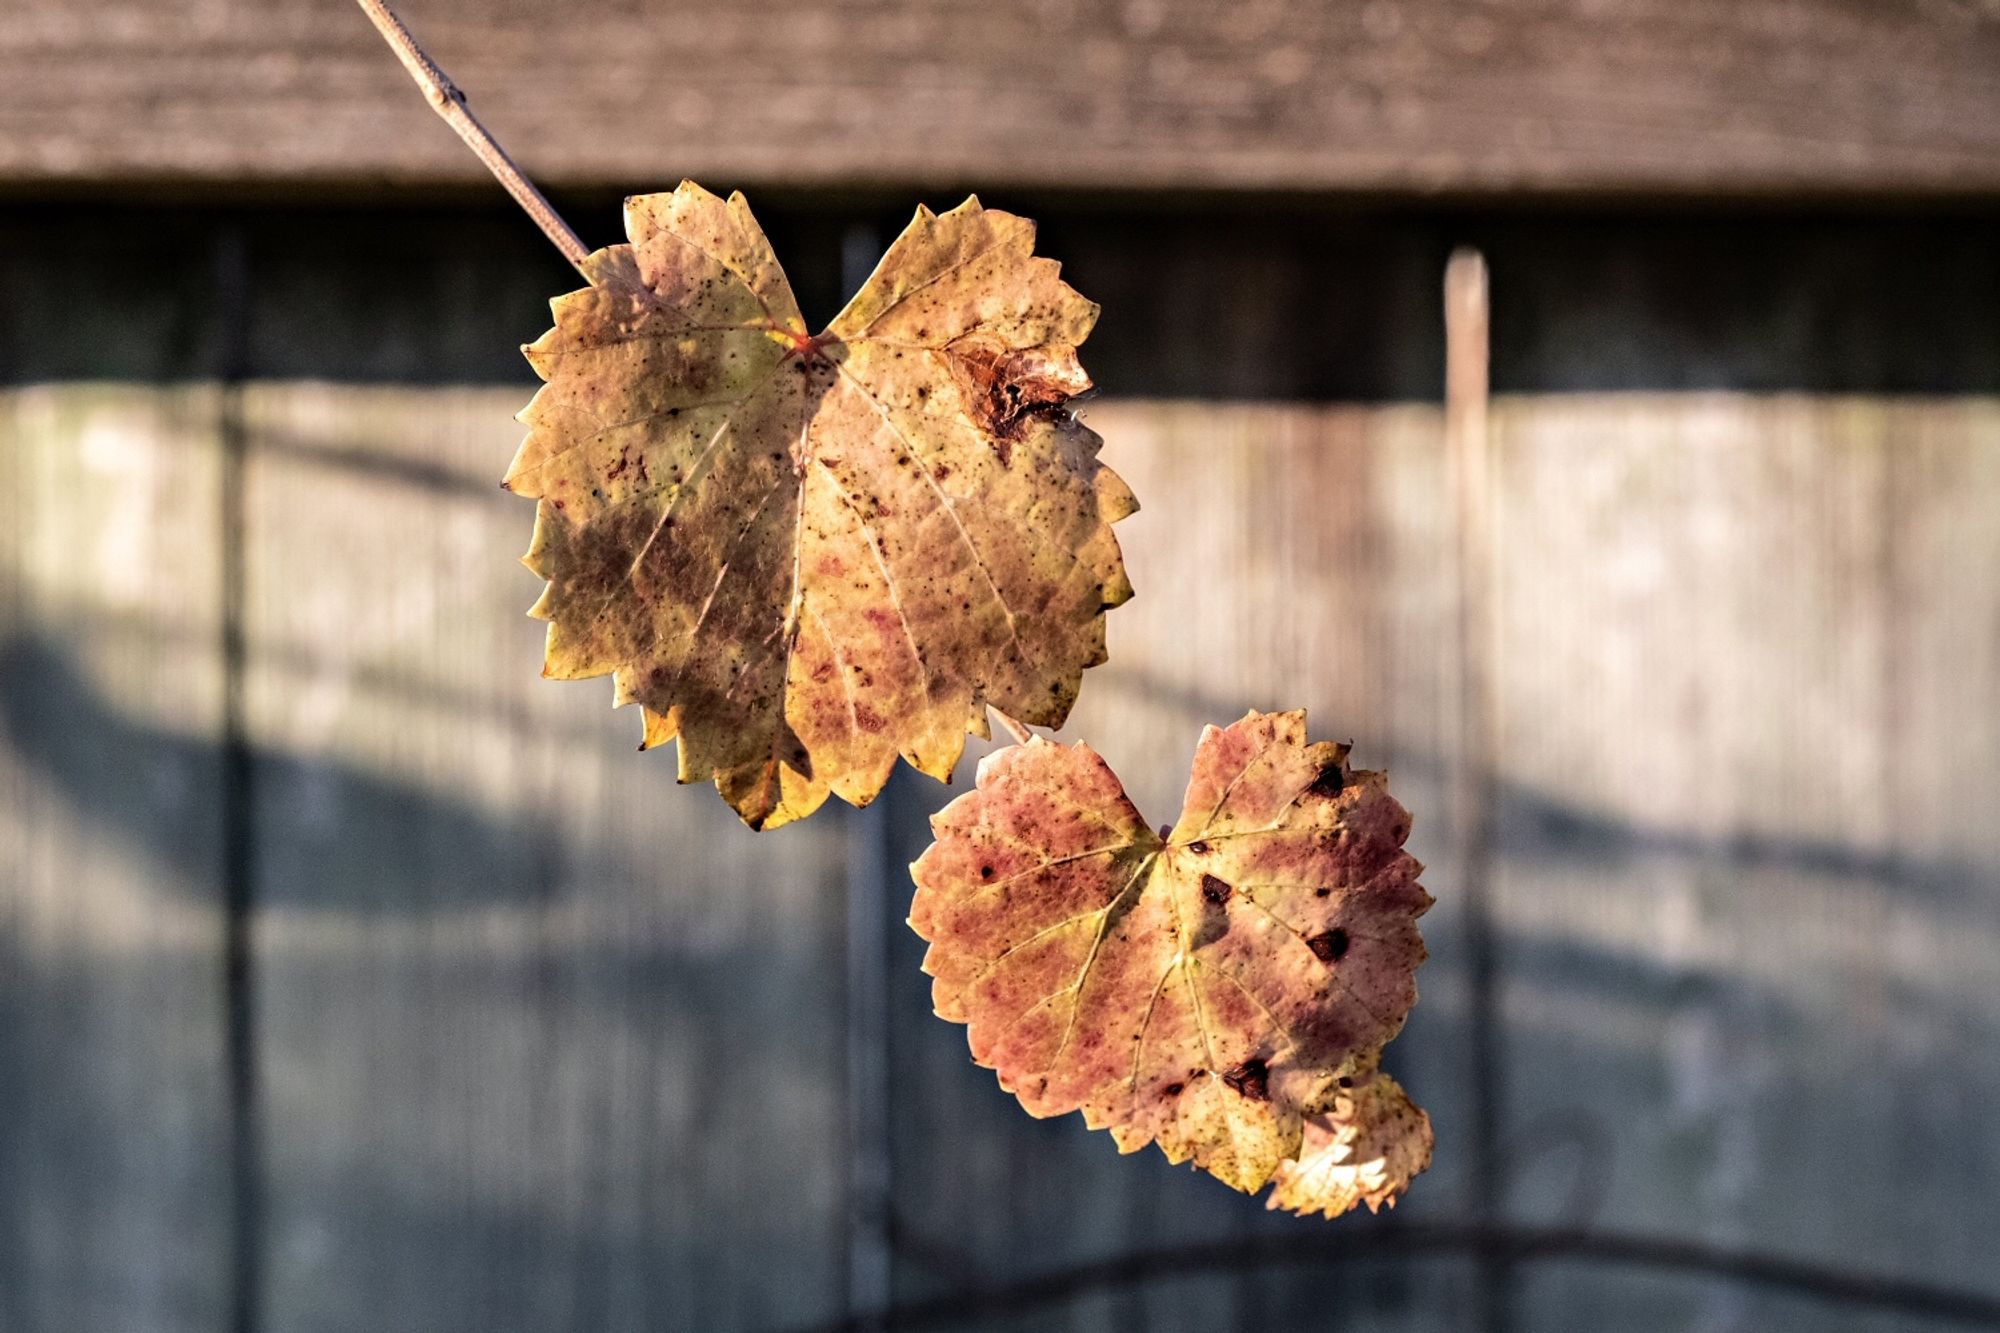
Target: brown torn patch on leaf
pixel 1004 388
pixel 804 556
pixel 1098 967
pixel 1366 1148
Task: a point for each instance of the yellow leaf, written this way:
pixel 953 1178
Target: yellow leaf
pixel 1211 989
pixel 805 555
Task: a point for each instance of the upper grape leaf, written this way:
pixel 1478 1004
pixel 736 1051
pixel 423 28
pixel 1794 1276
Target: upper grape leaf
pixel 1366 1149
pixel 1211 988
pixel 805 555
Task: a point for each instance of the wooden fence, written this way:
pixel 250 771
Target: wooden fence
pixel 538 1040
pixel 354 978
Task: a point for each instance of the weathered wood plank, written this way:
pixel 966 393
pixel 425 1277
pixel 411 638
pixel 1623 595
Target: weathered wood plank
pixel 114 1109
pixel 547 1042
pixel 1748 659
pixel 1674 96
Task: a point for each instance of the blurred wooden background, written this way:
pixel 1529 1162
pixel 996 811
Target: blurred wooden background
pixel 352 977
pixel 1755 96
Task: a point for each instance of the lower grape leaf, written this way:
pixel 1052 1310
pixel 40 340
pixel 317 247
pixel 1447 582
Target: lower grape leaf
pixel 1216 988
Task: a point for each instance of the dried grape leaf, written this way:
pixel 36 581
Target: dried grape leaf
pixel 1210 988
pixel 1366 1148
pixel 805 555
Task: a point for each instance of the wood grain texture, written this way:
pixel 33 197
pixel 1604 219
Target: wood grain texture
pixel 114 1109
pixel 1671 96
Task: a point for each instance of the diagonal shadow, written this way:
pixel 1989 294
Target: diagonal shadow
pixel 1527 820
pixel 329 836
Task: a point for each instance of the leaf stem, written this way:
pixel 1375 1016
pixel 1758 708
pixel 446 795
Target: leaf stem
pixel 449 102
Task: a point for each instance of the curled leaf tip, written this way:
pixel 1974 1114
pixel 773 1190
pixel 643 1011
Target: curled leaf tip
pixel 1366 1148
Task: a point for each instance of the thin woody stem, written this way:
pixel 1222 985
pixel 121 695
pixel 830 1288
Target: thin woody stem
pixel 449 102
pixel 1017 730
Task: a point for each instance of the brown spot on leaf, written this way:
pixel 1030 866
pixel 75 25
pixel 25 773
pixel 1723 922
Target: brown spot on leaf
pixel 1251 1080
pixel 1214 890
pixel 1329 947
pixel 1172 1090
pixel 1329 783
pixel 1198 847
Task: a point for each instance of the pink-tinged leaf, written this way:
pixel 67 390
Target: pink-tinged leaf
pixel 1207 990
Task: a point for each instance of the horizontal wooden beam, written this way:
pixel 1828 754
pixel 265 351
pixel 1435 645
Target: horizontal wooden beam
pixel 1674 97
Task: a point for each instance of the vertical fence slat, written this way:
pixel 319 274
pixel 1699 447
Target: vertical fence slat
pixel 114 1112
pixel 1470 759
